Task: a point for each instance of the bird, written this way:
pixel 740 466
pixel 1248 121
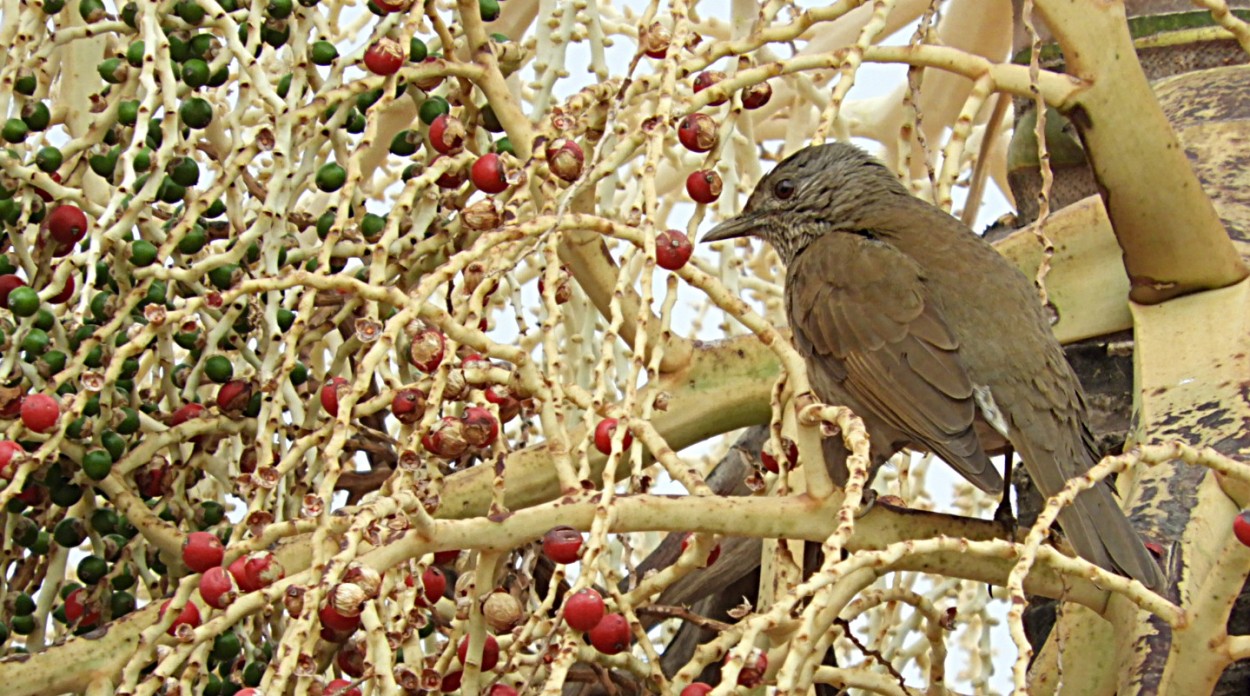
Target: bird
pixel 906 316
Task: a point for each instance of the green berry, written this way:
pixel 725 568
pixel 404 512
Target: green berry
pixel 134 54
pixel 279 9
pixel 97 464
pixel 504 145
pixel 417 50
pixel 219 369
pixel 432 108
pixel 196 112
pixel 222 277
pixel 285 319
pixel 121 604
pixel 69 532
pixel 113 443
pixel 26 85
pixel 48 159
pixel 113 71
pixel 190 12
pixel 24 301
pixel 142 253
pixel 193 241
pixel 15 130
pixel 91 11
pixel 36 116
pixel 324 53
pixel 128 112
pixel 489 9
pixel 405 143
pixel 284 85
pixel 371 226
pixel 195 72
pixel 92 569
pixel 331 177
pixel 35 342
pixel 184 171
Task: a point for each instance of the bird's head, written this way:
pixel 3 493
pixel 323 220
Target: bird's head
pixel 817 190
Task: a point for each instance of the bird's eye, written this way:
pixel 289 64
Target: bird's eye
pixel 783 189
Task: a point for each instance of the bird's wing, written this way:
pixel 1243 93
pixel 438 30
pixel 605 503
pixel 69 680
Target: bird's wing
pixel 860 308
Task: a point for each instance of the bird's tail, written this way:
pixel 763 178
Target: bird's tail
pixel 1101 533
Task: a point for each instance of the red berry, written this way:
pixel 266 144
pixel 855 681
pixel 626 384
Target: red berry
pixel 40 412
pixel 249 691
pixel 1241 525
pixel 706 79
pixel 480 427
pixel 612 634
pixel 67 292
pixel 704 186
pixel 262 569
pixel 389 6
pixel 711 556
pixel 603 436
pixel 7 449
pixel 408 405
pixel 233 396
pixel 697 689
pixel 426 349
pixel 385 57
pixel 584 610
pixel 502 690
pixel 238 570
pixel 217 587
pixel 752 673
pixel 186 413
pixel 202 550
pixel 446 438
pixel 490 652
pixel 332 619
pixel 565 159
pixel 655 41
pixel 757 95
pixel 330 395
pixel 190 615
pixel 81 610
pixel 501 396
pixel 698 132
pixel 341 687
pixel 446 557
pixel 562 545
pixel 450 178
pixel 451 682
pixel 67 224
pixel 487 174
pixel 672 250
pixel 8 283
pixel 351 659
pixel 434 584
pixel 447 135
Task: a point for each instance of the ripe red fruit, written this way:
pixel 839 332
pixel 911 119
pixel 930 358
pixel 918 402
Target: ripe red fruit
pixel 351 659
pixel 81 610
pixel 501 396
pixel 217 587
pixel 249 691
pixel 202 550
pixel 186 413
pixel 451 682
pixel 612 635
pixel 426 349
pixel 562 545
pixel 487 174
pixel 706 79
pixel 446 557
pixel 584 610
pixel 190 615
pixel 757 95
pixel 233 396
pixel 450 178
pixel 330 395
pixel 67 224
pixel 408 405
pixel 447 134
pixel 8 283
pixel 672 250
pixel 332 619
pixel 385 57
pixel 697 689
pixel 704 186
pixel 40 412
pixel 67 292
pixel 752 673
pixel 7 449
pixel 480 427
pixel 502 690
pixel 262 569
pixel 1241 525
pixel 434 584
pixel 565 159
pixel 711 556
pixel 490 652
pixel 238 570
pixel 603 436
pixel 342 687
pixel 389 6
pixel 698 132
pixel 446 438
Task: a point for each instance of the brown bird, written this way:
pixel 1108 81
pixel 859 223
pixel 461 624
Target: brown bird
pixel 919 326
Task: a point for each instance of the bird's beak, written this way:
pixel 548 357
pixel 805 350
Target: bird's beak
pixel 738 226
